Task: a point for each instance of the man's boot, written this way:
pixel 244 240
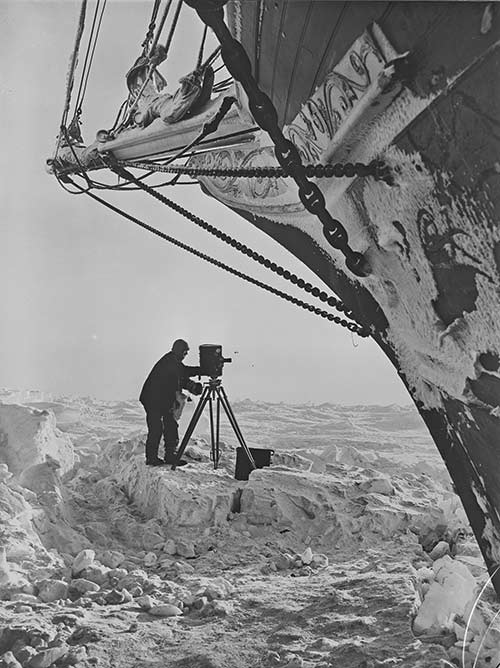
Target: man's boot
pixel 152 458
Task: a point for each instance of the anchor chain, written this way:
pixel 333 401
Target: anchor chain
pixel 376 168
pixel 351 326
pixel 265 114
pixel 242 248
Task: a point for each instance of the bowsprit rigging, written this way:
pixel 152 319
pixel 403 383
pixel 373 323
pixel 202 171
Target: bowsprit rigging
pixel 148 100
pixel 351 326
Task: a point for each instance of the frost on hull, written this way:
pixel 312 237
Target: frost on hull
pixel 432 239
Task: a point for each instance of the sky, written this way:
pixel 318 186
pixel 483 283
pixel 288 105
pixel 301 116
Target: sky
pixel 90 301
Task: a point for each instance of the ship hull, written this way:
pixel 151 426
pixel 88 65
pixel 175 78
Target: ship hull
pixel 432 302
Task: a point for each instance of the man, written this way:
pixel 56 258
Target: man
pixel 158 396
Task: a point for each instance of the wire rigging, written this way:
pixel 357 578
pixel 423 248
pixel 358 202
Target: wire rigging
pixel 79 96
pixel 93 51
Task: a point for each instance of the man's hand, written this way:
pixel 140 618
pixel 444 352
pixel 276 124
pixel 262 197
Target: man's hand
pixel 191 386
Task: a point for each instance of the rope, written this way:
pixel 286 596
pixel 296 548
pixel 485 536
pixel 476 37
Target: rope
pixel 77 159
pixel 160 27
pixel 202 47
pixel 223 85
pixel 151 27
pixel 93 51
pixel 283 295
pixel 89 58
pixel 121 111
pixel 70 77
pixel 213 56
pixel 245 250
pixel 173 26
pixel 87 53
pixel 218 69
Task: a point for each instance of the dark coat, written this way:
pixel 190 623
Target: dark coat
pixel 168 376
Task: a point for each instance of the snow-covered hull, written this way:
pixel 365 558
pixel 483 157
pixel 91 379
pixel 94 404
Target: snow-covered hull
pixel 432 301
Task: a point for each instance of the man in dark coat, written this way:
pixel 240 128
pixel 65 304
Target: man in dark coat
pixel 158 396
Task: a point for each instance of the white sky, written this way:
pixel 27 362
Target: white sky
pixel 90 301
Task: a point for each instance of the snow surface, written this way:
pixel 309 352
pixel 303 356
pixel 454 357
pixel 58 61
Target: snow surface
pixel 350 550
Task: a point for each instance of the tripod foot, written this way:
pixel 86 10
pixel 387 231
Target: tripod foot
pixel 172 459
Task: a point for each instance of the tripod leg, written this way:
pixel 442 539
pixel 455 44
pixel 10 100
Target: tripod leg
pixel 217 430
pixel 213 453
pixel 229 412
pixel 191 427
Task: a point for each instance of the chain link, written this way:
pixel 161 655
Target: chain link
pixel 265 114
pixel 242 248
pixel 351 326
pixel 376 168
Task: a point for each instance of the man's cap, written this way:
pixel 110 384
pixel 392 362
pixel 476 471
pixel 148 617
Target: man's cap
pixel 180 346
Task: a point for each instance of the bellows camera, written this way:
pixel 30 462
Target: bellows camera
pixel 211 364
pixel 211 360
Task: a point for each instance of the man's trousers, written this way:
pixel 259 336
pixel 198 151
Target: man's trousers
pixel 160 423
